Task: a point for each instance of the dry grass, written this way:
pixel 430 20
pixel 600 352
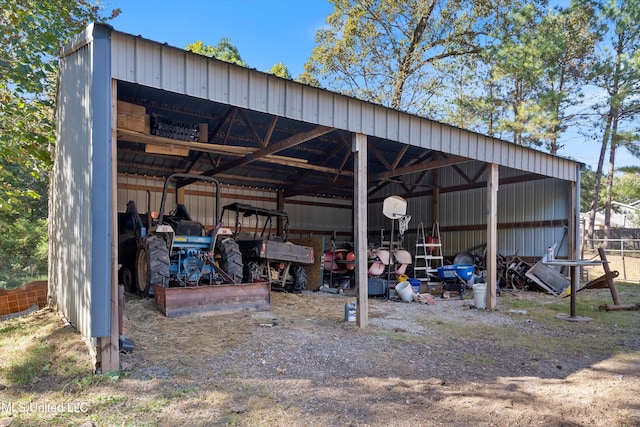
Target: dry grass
pixel 628 267
pixel 300 364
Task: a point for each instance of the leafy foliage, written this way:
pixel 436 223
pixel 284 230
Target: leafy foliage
pixel 24 248
pixel 393 52
pixel 33 33
pixel 617 74
pixel 224 51
pixel 280 70
pixel 531 75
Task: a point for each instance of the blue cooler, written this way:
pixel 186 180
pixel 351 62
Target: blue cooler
pixel 415 284
pixel 378 287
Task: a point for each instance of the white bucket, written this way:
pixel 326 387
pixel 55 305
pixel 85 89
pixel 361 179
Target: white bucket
pixel 480 295
pixel 405 291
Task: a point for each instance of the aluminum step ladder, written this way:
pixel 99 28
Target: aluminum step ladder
pixel 428 255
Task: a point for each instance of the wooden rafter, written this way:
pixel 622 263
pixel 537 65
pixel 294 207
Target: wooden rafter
pixel 229 113
pixel 470 180
pixel 304 173
pixel 261 142
pixel 292 141
pixel 419 167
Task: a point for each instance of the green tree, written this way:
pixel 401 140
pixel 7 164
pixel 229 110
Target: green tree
pixel 32 34
pixel 280 70
pixel 627 188
pixel 617 73
pixel 516 70
pixel 224 51
pixel 627 185
pixel 567 40
pixel 392 52
pixel 532 72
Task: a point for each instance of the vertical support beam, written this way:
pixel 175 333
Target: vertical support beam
pixel 102 295
pixel 435 198
pixel 492 235
pixel 577 246
pixel 280 202
pixel 360 227
pixel 115 291
pixel 180 195
pixel 573 232
pixel 574 221
pixel 109 346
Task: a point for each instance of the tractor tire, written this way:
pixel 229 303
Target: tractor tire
pixel 299 279
pixel 231 259
pixel 252 272
pixel 152 265
pixel 127 279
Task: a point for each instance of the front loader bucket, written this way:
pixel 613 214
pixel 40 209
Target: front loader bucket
pixel 174 302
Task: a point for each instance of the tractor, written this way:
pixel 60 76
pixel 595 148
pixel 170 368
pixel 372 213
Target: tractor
pixel 269 256
pixel 177 251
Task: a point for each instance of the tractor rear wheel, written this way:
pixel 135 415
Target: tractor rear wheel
pixel 152 265
pixel 231 259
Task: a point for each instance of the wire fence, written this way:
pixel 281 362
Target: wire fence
pixel 623 256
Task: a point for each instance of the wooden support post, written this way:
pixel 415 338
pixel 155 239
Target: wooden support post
pixel 280 202
pixel 109 347
pixel 574 215
pixel 180 196
pixel 492 236
pixel 609 277
pixel 203 129
pixel 435 198
pixel 360 230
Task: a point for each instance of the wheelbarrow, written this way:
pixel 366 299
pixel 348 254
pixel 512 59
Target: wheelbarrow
pixel 455 278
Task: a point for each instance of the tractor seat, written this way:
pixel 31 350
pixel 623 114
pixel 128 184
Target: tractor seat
pixel 187 228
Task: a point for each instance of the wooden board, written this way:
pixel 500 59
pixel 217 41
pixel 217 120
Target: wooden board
pixel 203 129
pixel 314 274
pixel 134 122
pixel 131 109
pixel 165 149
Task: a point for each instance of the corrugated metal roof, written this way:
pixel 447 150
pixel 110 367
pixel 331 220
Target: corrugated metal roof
pixel 252 110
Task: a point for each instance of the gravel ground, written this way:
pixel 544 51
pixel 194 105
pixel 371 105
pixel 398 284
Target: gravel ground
pixel 415 364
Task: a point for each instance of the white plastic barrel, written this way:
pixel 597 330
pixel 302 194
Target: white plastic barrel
pixel 480 295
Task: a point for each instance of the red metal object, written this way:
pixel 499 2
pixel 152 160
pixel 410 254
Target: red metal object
pixel 431 241
pixel 174 302
pixel 339 261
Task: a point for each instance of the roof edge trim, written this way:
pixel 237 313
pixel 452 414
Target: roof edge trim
pixel 93 31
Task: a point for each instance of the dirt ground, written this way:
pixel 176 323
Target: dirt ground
pixel 301 364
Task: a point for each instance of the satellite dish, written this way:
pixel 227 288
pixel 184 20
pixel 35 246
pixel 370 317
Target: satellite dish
pixel 394 207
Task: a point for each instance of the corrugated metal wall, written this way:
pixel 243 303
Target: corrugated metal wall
pixel 80 262
pixel 523 210
pixel 307 215
pixel 164 67
pixel 71 194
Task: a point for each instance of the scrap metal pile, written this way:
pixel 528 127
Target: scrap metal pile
pixel 512 269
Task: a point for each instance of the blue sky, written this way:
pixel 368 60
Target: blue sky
pixel 265 32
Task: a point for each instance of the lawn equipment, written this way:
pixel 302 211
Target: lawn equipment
pixel 178 261
pixel 177 252
pixel 269 256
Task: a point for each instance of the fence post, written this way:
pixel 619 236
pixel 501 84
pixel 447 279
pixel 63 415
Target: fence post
pixel 624 266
